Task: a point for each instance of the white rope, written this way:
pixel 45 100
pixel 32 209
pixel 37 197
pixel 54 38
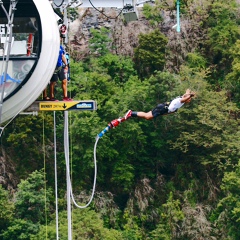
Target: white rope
pixel 66 151
pixel 94 182
pixel 55 169
pixel 66 147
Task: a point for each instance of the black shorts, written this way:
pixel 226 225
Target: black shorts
pixel 58 74
pixel 160 109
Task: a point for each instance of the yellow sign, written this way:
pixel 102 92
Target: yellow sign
pixel 62 106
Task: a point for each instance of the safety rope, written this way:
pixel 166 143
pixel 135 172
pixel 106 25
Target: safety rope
pixel 55 170
pixel 45 181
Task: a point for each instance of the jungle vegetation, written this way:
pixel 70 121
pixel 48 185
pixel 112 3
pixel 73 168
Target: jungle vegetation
pixel 176 177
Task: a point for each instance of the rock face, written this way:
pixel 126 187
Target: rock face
pixel 8 178
pixel 124 35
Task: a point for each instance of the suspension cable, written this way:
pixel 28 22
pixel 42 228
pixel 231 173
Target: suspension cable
pixel 104 13
pixel 58 6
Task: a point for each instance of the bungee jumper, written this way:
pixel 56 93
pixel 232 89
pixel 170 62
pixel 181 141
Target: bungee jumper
pixel 164 108
pixel 161 109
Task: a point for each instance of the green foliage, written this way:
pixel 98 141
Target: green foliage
pixel 20 229
pixel 160 233
pixel 196 61
pixel 152 13
pixel 233 78
pixel 131 228
pixel 227 214
pixel 72 14
pixel 149 56
pixel 20 136
pixel 213 135
pixel 99 43
pixel 31 208
pixel 171 216
pixel 86 224
pixel 6 208
pixel 119 68
pixel 32 198
pixel 223 32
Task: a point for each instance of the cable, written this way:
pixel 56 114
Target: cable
pixel 55 170
pixel 45 181
pixel 58 6
pixel 5 11
pixel 104 13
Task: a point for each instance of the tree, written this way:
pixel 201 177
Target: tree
pixel 32 199
pixel 6 209
pixel 171 216
pixel 223 32
pixel 149 56
pixel 86 224
pixel 99 43
pixel 120 68
pixel 152 13
pixel 31 208
pixel 227 213
pixel 232 82
pixel 20 136
pixel 20 229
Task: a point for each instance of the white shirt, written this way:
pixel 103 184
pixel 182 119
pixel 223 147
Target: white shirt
pixel 175 104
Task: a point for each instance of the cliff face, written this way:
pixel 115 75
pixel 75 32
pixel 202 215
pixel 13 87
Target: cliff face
pixel 8 178
pixel 124 35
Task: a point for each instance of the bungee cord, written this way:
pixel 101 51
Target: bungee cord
pixel 66 151
pixel 114 123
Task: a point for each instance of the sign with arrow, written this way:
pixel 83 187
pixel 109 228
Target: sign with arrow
pixel 63 106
